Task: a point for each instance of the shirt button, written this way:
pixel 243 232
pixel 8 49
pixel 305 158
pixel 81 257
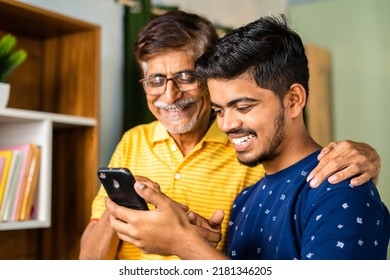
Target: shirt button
pixel 177 176
pixel 174 148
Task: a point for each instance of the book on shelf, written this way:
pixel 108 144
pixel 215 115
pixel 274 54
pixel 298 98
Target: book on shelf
pixel 20 181
pixel 7 155
pixel 11 185
pixel 27 151
pixel 2 163
pixel 31 186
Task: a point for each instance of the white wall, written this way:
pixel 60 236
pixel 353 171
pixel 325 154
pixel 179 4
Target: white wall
pixel 108 15
pixel 358 42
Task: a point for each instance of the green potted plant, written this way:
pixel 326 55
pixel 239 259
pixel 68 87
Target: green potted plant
pixel 9 60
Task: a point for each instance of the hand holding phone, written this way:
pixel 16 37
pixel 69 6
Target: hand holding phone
pixel 119 185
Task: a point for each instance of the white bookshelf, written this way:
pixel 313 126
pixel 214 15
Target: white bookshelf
pixel 23 126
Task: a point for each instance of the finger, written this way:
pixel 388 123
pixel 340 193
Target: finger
pixel 360 180
pixel 147 181
pixel 125 222
pixel 343 174
pixel 326 171
pixel 185 208
pixel 217 218
pixel 326 150
pixel 328 154
pixel 323 162
pixel 152 195
pixel 346 159
pixel 110 205
pixel 198 220
pixel 194 219
pixel 334 151
pixel 126 238
pixel 333 158
pixel 346 173
pixel 119 226
pixel 116 210
pixel 213 223
pixel 211 236
pixel 356 159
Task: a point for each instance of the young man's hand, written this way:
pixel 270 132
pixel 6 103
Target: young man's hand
pixel 208 228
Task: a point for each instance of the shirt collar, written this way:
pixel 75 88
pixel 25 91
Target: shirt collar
pixel 214 134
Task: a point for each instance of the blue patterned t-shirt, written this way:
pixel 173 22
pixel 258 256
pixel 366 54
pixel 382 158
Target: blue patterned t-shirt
pixel 281 217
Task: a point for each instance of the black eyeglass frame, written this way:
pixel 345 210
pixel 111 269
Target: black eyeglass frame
pixel 179 85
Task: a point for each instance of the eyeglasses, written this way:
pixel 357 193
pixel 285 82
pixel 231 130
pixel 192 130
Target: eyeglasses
pixel 183 81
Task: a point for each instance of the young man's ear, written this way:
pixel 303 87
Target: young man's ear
pixel 295 100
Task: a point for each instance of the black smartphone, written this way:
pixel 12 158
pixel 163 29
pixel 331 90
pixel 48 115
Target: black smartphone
pixel 119 185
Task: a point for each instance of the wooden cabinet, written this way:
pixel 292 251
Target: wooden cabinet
pixel 54 101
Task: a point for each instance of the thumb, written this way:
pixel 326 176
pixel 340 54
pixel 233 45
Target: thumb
pixel 217 218
pixel 147 191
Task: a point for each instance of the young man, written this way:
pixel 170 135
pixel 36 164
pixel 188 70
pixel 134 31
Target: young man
pixel 184 151
pixel 258 82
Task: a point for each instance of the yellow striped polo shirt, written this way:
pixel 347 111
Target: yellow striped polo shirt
pixel 207 179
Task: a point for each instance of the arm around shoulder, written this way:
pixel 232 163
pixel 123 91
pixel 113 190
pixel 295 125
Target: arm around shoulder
pixel 345 159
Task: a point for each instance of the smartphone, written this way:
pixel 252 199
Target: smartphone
pixel 119 185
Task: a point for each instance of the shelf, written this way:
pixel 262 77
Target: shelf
pixel 26 126
pixel 32 224
pixel 39 132
pixel 10 115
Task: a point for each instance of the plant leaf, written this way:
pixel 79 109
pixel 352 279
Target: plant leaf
pixel 7 44
pixel 9 59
